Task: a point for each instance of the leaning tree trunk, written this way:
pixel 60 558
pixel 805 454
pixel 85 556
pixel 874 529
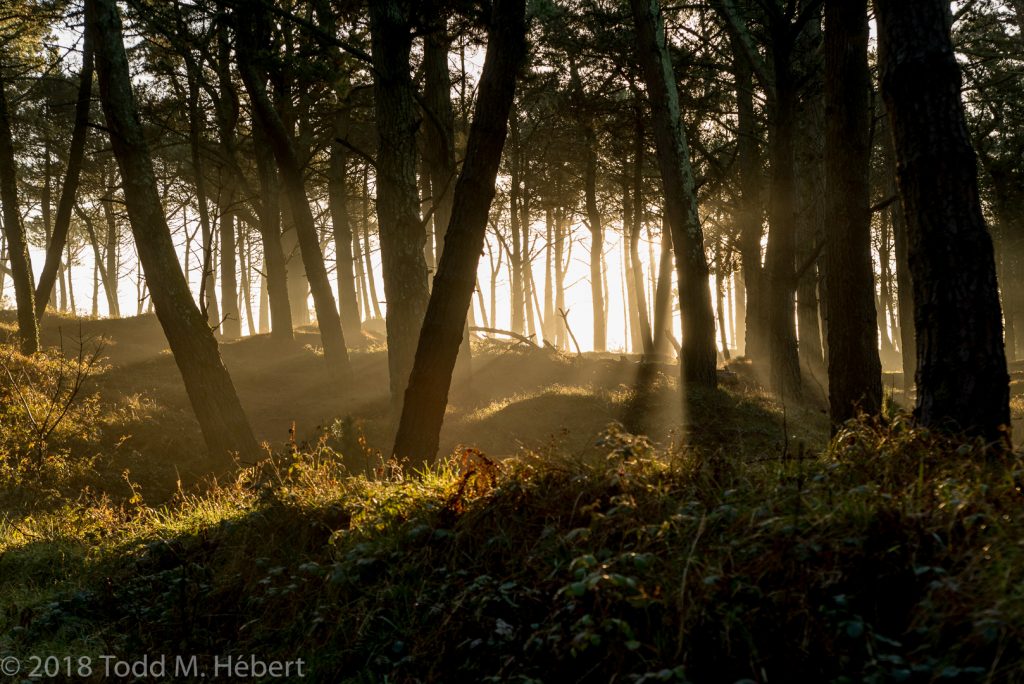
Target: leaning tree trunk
pixel 427 395
pixel 854 370
pixel 962 379
pixel 398 216
pixel 66 203
pixel 14 231
pixel 328 318
pixel 209 387
pixel 699 353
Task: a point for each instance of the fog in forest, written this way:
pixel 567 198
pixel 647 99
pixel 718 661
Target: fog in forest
pixel 511 341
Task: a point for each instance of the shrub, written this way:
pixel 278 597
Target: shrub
pixel 50 420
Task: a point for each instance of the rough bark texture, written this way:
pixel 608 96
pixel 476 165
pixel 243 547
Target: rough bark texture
pixel 961 367
pixel 398 217
pixel 854 369
pixel 328 319
pixel 14 231
pixel 209 387
pixel 62 222
pixel 699 353
pixel 427 395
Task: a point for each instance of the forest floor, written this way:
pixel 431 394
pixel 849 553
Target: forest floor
pixel 518 398
pixel 744 547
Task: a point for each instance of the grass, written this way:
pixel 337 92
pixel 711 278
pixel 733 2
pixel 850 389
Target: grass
pixel 896 555
pixel 745 547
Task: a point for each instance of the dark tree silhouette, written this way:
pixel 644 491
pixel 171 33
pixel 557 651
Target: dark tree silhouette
pixel 427 395
pixel 854 369
pixel 14 231
pixel 699 353
pixel 210 390
pixel 961 366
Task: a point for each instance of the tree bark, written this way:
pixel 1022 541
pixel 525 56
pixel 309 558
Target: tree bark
pixel 209 387
pixel 962 378
pixel 398 217
pixel 17 246
pixel 699 353
pixel 427 395
pixel 854 369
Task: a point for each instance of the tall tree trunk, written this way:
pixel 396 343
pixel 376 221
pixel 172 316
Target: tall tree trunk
pixel 14 231
pixel 780 260
pixel 76 153
pixel 748 219
pixel 274 263
pixel 427 395
pixel 854 370
pixel 597 289
pixel 371 280
pixel 699 356
pixel 561 234
pixel 209 387
pixel 810 192
pixel 398 217
pixel 337 198
pixel 663 297
pixel 549 275
pixel 231 326
pixel 961 366
pixel 328 318
pixel 515 254
pixel 640 301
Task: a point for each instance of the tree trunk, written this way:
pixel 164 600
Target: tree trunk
pixel 398 217
pixel 371 280
pixel 780 259
pixel 427 395
pixel 854 370
pixel 962 379
pixel 328 318
pixel 76 153
pixel 748 218
pixel 14 231
pixel 810 215
pixel 663 323
pixel 699 357
pixel 231 325
pixel 640 301
pixel 274 263
pixel 597 289
pixel 337 198
pixel 209 387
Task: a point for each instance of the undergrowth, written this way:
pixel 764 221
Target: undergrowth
pixel 895 556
